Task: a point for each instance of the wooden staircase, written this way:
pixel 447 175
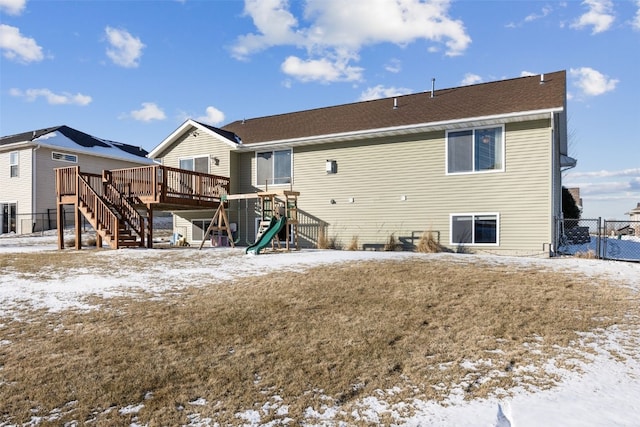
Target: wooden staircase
pixel 111 213
pixel 119 204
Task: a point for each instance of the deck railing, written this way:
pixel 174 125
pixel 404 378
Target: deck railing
pixel 67 180
pixel 161 183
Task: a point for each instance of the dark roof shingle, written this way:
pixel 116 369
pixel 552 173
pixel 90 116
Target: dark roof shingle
pixel 481 100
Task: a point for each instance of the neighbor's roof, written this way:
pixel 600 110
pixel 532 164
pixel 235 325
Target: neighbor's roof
pixel 493 99
pixel 66 138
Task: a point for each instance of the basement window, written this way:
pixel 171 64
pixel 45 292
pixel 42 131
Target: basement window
pixel 474 229
pixel 63 157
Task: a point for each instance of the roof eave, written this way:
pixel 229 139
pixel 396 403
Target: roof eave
pixel 88 152
pixel 166 143
pixel 408 129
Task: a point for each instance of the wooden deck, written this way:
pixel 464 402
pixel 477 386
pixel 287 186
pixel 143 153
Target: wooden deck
pixel 112 201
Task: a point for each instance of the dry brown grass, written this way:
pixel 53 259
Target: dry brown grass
pixel 323 241
pixel 590 254
pixel 327 336
pixel 353 245
pixel 428 243
pixel 392 244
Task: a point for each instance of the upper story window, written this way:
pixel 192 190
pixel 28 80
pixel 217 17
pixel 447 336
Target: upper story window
pixel 273 167
pixel 13 163
pixel 196 164
pixel 475 150
pixel 64 157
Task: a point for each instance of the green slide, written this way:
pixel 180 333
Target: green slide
pixel 274 228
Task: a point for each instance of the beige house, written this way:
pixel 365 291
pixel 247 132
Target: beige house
pixel 27 191
pixel 479 166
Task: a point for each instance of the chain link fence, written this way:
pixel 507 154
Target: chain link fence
pixel 31 223
pixel 597 238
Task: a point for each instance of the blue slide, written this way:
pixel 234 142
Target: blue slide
pixel 275 226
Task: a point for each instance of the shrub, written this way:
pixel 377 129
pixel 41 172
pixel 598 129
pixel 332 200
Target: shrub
pixel 323 242
pixel 392 244
pixel 428 244
pixel 353 246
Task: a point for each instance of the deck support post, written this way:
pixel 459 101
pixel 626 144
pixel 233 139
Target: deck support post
pixel 60 220
pixel 148 229
pixel 78 220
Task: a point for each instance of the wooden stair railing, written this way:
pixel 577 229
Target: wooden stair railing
pixel 104 220
pixel 125 208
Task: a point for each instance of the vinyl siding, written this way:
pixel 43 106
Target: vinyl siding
pixel 34 189
pixel 197 146
pixel 45 176
pixel 378 174
pixel 17 189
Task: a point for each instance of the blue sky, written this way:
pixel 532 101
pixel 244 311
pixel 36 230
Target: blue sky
pixel 133 71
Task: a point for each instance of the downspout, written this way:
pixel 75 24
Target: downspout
pixel 34 186
pixel 555 162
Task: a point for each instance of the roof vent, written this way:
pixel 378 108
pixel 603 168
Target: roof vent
pixel 395 103
pixel 433 87
pixel 541 79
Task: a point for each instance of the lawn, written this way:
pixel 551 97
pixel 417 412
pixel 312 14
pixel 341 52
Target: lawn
pixel 292 346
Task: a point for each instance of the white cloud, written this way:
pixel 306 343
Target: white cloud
pixel 635 23
pixel 213 116
pixel 471 79
pixel 599 16
pixel 592 82
pixel 605 173
pixel 125 50
pixel 12 7
pixel 148 112
pixel 337 30
pixel 393 66
pixel 527 74
pixel 380 91
pixel 17 47
pixel 546 10
pixel 321 70
pixel 52 98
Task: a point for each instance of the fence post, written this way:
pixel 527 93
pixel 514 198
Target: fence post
pixel 599 241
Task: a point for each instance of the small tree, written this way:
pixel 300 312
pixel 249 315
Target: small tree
pixel 570 208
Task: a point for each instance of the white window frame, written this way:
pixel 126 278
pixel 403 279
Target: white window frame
pixel 193 160
pixel 205 225
pixel 473 216
pixel 64 157
pixel 14 164
pixel 473 154
pixel 272 179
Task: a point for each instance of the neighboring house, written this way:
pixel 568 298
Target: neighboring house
pixel 634 213
pixel 27 179
pixel 479 166
pixel 634 217
pixel 575 193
